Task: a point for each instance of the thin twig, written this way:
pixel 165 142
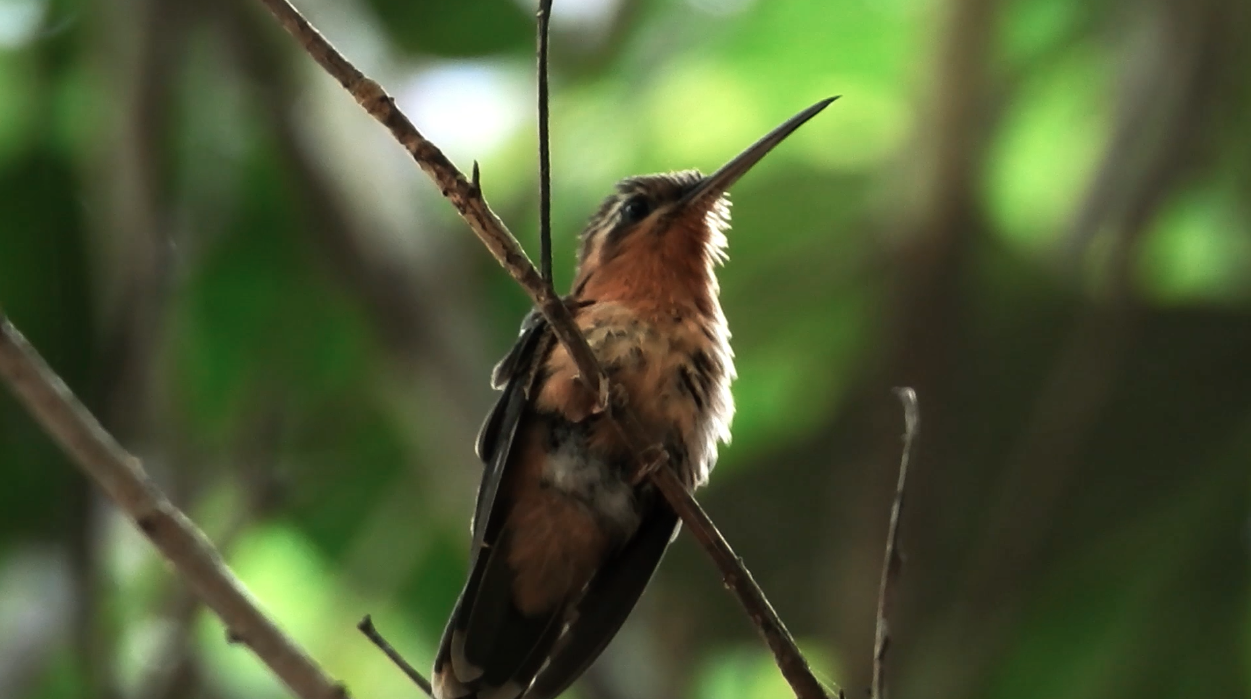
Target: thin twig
pixel 122 477
pixel 892 561
pixel 487 226
pixel 367 627
pixel 545 156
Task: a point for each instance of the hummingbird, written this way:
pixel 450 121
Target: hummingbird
pixel 564 537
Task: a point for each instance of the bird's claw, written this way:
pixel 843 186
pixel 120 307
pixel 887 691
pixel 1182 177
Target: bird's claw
pixel 613 399
pixel 653 459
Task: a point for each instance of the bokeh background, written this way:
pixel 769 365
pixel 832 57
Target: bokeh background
pixel 1035 212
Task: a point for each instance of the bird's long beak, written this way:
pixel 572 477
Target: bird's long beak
pixel 717 183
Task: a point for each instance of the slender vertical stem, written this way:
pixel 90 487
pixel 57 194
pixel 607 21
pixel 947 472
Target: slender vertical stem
pixel 545 156
pixel 892 560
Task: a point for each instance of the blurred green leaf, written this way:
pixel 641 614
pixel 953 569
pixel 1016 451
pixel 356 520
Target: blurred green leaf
pixel 258 320
pixel 461 28
pixel 749 672
pixel 1052 138
pixel 347 457
pixel 19 95
pixel 1198 250
pixel 44 290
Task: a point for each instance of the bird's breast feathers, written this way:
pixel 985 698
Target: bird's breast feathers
pixel 674 372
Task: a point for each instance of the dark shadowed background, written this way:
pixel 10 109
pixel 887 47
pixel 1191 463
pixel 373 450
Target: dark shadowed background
pixel 1035 212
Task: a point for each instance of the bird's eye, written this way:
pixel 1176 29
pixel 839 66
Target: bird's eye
pixel 635 209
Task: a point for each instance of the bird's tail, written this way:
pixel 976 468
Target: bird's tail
pixel 490 649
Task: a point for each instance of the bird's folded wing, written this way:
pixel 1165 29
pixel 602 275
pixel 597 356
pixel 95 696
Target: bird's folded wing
pixel 608 600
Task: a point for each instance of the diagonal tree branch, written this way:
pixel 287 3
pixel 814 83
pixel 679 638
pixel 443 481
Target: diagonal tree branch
pixel 466 197
pixel 120 474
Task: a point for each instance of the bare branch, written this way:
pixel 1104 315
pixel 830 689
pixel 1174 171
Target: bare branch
pixel 367 627
pixel 892 561
pixel 468 201
pixel 122 477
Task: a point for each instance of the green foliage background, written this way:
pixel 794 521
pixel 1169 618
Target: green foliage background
pixel 1035 212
